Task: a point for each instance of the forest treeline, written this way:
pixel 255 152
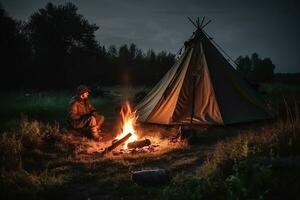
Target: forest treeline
pixel 56 47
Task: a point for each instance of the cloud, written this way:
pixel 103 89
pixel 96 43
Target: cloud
pixel 270 27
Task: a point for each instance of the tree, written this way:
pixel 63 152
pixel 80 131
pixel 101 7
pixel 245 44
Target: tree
pixel 15 53
pixel 132 51
pixel 63 43
pixel 112 51
pixel 57 49
pixel 263 70
pixel 255 68
pixel 244 65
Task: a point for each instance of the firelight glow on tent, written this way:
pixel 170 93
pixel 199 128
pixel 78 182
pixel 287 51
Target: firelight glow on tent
pixel 202 87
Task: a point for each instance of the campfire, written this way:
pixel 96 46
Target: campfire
pixel 129 138
pixel 130 141
pixel 128 120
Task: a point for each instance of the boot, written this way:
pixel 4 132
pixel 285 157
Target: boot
pixel 95 133
pixel 100 135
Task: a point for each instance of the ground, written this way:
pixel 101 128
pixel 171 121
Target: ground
pixel 103 170
pixel 42 159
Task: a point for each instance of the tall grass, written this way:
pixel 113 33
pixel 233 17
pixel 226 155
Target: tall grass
pixel 19 179
pixel 10 152
pixel 248 166
pixel 28 136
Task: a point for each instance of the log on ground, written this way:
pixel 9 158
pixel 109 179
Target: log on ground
pixel 116 144
pixel 139 143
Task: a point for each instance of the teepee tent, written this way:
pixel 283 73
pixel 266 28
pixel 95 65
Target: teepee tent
pixel 202 88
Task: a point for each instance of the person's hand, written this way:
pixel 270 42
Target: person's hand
pixel 93 112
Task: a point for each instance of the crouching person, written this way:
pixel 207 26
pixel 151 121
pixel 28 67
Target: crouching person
pixel 83 115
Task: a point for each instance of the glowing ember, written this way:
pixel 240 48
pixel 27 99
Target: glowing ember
pixel 128 120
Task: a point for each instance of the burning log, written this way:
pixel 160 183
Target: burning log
pixel 151 177
pixel 139 143
pixel 116 144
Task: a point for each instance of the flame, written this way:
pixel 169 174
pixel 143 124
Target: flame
pixel 128 119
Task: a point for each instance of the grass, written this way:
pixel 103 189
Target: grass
pixel 45 106
pixel 40 160
pixel 279 88
pixel 279 95
pixel 248 166
pixel 24 174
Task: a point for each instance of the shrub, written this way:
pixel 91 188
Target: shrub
pixel 27 144
pixel 30 132
pixel 52 135
pixel 34 134
pixel 10 152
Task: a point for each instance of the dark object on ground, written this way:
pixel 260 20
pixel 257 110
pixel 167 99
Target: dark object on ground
pixel 116 144
pixel 152 177
pixel 139 143
pixel 186 132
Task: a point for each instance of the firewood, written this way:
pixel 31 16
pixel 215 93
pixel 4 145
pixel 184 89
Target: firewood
pixel 116 144
pixel 139 143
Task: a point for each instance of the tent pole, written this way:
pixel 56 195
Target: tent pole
pixel 206 24
pixel 193 98
pixel 202 22
pixel 192 22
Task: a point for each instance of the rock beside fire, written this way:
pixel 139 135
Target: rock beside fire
pixel 139 143
pixel 151 177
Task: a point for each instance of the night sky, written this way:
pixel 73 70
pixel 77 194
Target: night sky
pixel 271 28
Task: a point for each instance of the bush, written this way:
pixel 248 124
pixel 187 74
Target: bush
pixel 30 132
pixel 25 147
pixel 52 134
pixel 10 152
pixel 34 134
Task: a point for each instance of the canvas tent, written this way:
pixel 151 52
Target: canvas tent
pixel 202 87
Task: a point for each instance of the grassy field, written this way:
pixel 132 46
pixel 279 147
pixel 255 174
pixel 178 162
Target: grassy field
pixel 41 159
pixel 45 106
pixel 52 106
